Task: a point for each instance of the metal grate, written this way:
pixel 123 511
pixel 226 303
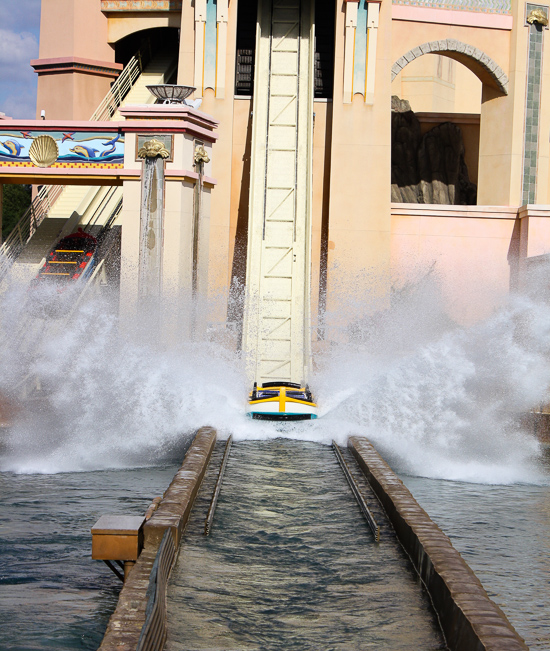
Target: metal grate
pixel 153 633
pixel 246 47
pixel 324 50
pixel 244 83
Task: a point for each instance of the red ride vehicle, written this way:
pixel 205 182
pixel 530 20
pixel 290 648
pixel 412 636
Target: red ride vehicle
pixel 71 260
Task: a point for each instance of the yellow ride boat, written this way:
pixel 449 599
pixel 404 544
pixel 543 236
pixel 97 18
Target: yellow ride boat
pixel 281 401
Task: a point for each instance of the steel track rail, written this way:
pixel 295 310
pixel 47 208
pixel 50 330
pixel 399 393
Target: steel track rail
pixel 217 488
pixel 355 490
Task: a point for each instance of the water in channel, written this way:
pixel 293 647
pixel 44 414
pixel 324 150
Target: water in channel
pixel 52 594
pixel 291 564
pixel 503 533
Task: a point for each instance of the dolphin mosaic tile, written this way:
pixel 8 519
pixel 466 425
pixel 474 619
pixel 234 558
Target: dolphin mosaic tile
pixel 88 148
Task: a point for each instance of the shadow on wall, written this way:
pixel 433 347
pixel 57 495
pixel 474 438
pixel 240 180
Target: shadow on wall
pixel 427 168
pixel 235 310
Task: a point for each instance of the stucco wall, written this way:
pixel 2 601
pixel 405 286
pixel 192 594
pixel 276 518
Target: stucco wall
pixel 467 247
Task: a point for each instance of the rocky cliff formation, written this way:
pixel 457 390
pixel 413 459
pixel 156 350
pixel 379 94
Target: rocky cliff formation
pixel 427 168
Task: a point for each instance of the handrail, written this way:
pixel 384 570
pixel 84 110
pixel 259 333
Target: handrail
pixel 48 194
pixel 118 91
pixel 153 634
pixel 357 493
pixel 101 207
pixel 27 225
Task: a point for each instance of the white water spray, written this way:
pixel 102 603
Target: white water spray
pixel 436 400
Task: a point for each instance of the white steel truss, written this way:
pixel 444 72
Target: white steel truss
pixel 276 336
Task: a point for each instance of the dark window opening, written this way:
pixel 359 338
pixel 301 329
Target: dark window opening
pixel 246 47
pixel 147 44
pixel 324 48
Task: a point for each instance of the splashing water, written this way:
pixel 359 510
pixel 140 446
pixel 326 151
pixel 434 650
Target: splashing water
pixel 114 399
pixel 437 400
pixel 443 401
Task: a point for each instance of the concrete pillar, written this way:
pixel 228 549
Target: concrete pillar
pixel 172 265
pixel 76 64
pixel 360 178
pixel 500 150
pixel 151 239
pixel 514 158
pixel 221 105
pixel 187 44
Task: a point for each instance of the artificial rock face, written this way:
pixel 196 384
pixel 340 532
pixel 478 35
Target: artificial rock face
pixel 427 168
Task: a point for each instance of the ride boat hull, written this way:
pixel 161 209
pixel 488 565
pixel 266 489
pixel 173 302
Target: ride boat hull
pixel 283 401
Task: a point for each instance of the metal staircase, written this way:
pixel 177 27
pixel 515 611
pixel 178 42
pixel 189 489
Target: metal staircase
pixel 30 331
pixel 158 71
pixel 276 336
pixel 69 205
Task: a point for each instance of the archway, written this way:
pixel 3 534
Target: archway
pixel 439 130
pixel 480 63
pixel 147 43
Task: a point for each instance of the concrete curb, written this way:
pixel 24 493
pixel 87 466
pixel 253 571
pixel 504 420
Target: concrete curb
pixel 124 627
pixel 173 511
pixel 469 619
pixel 538 423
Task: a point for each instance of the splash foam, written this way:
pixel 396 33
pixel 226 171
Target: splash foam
pixel 437 400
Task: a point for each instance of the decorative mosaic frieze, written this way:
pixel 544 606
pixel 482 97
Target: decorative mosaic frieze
pixel 140 5
pixel 479 6
pixel 103 150
pixel 532 105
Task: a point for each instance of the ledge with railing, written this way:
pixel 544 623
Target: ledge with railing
pixel 27 225
pixel 48 194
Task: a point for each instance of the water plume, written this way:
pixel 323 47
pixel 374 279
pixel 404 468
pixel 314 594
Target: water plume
pixel 113 397
pixel 436 399
pixel 440 400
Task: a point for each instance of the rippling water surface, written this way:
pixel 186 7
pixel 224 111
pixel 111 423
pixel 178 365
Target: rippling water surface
pixel 52 594
pixel 435 399
pixel 290 564
pixel 503 533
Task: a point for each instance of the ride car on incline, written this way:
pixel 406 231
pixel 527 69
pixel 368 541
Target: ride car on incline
pixel 72 258
pixel 68 264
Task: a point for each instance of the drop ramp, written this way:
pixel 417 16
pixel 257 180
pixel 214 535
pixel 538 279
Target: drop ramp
pixel 276 334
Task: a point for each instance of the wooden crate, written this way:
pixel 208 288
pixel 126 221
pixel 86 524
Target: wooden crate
pixel 117 537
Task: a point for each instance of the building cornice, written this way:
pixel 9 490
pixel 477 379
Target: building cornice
pixel 117 6
pixel 61 65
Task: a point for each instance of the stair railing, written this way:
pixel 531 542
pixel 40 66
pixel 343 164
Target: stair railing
pixel 118 91
pixel 48 194
pixel 27 225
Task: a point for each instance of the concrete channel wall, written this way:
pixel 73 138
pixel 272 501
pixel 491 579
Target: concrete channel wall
pixel 469 619
pixel 538 422
pixel 126 623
